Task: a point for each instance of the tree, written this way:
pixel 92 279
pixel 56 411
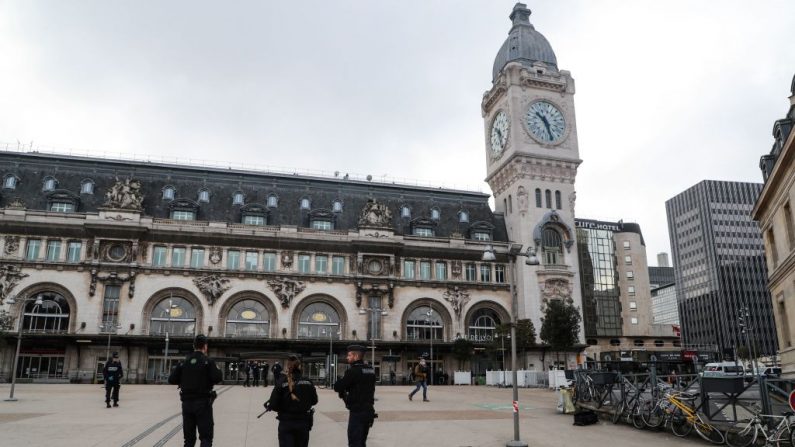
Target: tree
pixel 560 327
pixel 462 351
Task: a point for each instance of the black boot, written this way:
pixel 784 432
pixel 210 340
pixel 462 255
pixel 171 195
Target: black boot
pixel 107 404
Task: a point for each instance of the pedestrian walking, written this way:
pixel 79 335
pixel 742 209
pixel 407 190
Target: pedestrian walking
pixel 196 376
pixel 112 374
pixel 421 376
pixel 255 373
pixel 357 388
pixel 292 399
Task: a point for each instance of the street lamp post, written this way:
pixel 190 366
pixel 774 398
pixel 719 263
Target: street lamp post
pixel 109 326
pixel 11 300
pixel 744 321
pixel 430 321
pixel 331 355
pixel 171 306
pixel 514 251
pixel 373 312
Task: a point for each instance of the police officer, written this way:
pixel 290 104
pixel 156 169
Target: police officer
pixel 112 373
pixel 277 371
pixel 357 388
pixel 196 376
pixel 293 398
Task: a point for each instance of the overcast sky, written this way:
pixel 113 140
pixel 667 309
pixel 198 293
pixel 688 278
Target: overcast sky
pixel 668 93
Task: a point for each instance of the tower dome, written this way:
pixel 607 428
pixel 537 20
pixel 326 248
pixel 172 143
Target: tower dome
pixel 524 44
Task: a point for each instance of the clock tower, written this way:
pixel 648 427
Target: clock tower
pixel 532 159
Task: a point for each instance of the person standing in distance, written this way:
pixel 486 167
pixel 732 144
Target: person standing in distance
pixel 196 376
pixel 266 368
pixel 293 398
pixel 277 372
pixel 357 388
pixel 112 373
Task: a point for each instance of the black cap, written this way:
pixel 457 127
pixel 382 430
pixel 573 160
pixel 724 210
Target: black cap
pixel 356 348
pixel 115 355
pixel 200 341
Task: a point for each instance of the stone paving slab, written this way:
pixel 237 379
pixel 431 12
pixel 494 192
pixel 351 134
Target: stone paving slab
pixel 75 415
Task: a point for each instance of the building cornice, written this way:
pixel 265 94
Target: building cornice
pixel 528 167
pixel 778 184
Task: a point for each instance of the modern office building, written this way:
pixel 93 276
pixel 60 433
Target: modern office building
pixel 662 260
pixel 774 213
pixel 664 307
pixel 617 305
pixel 100 255
pixel 718 257
pixel 660 276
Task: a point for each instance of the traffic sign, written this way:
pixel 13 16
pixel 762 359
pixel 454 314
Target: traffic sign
pixel 792 400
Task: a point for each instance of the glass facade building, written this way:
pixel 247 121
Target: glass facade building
pixel 599 278
pixel 664 308
pixel 719 263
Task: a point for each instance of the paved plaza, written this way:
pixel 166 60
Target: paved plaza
pixel 75 415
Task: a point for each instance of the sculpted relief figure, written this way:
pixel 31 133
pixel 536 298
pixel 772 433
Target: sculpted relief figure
pixel 125 194
pixel 212 286
pixel 286 289
pixel 557 289
pixel 572 199
pixel 458 298
pixel 521 196
pixel 375 214
pixel 10 275
pixel 12 245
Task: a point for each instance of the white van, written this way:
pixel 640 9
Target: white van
pixel 723 369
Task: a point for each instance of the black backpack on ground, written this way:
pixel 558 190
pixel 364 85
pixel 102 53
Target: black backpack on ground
pixel 585 417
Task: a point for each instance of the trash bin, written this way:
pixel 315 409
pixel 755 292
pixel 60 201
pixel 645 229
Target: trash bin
pixel 568 403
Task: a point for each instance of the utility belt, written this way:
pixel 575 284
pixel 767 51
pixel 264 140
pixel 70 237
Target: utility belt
pixel 195 395
pixel 303 416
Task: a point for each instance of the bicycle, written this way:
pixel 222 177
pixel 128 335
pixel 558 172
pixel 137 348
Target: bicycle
pixel 783 434
pixel 677 410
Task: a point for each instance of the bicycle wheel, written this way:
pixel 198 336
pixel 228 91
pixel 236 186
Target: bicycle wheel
pixel 637 418
pixel 680 426
pixel 742 435
pixel 784 437
pixel 709 432
pixel 617 412
pixel 653 416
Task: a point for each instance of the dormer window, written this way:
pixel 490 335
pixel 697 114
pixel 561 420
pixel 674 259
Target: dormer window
pixel 481 236
pixel 183 215
pixel 481 231
pixel 254 214
pixel 423 231
pixel 237 198
pixel 435 213
pixel 204 196
pixel 254 220
pixel 322 224
pixel 62 201
pixel 405 212
pixel 305 204
pixel 321 219
pixel 336 206
pixel 183 209
pixel 10 182
pixel 273 201
pixel 62 207
pixel 49 184
pixel 463 216
pixel 169 192
pixel 87 187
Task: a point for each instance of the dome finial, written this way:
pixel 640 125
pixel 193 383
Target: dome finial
pixel 520 14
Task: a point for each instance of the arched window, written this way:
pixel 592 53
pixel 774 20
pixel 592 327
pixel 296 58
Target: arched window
pixel 204 196
pixel 10 182
pixel 557 200
pixel 405 212
pixel 237 198
pixel 87 187
pixel 273 201
pixel 248 318
pixel 174 315
pixel 548 197
pixel 168 193
pixel 538 198
pixel 463 216
pixel 424 324
pixel 552 243
pixel 336 206
pixel 52 315
pixel 483 325
pixel 49 184
pixel 305 204
pixel 319 320
pixel 435 213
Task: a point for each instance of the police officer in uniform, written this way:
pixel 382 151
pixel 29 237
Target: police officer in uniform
pixel 112 373
pixel 357 388
pixel 293 398
pixel 196 376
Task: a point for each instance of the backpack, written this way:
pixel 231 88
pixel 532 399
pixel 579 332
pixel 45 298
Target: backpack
pixel 195 377
pixel 585 417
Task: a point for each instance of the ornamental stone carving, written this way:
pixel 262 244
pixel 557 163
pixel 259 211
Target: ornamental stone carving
pixel 12 245
pixel 556 289
pixel 17 203
pixel 111 278
pixel 521 196
pixel 125 194
pixel 286 289
pixel 216 255
pixel 458 297
pixel 212 286
pixel 572 199
pixel 455 269
pixel 375 214
pixel 10 275
pixel 287 259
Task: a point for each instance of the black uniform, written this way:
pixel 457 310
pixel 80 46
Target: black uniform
pixel 295 417
pixel 357 388
pixel 277 372
pixel 196 376
pixel 112 374
pixel 265 370
pixel 255 372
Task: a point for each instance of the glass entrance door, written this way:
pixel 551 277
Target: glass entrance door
pixel 40 367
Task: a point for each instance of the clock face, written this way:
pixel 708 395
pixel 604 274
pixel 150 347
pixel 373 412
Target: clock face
pixel 499 134
pixel 545 122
